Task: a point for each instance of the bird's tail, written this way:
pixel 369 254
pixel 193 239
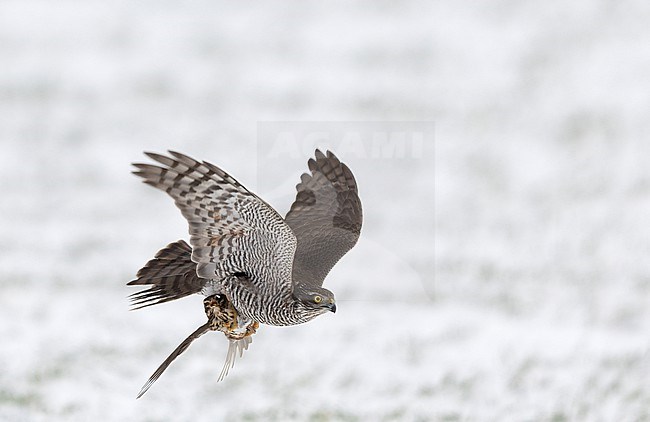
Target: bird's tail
pixel 235 347
pixel 171 275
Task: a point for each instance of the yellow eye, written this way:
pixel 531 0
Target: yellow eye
pixel 318 299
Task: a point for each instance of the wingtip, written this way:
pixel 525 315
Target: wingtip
pixel 177 154
pixel 312 165
pixel 321 158
pixel 319 154
pixel 333 158
pixel 147 385
pixel 176 353
pixel 150 154
pixel 142 391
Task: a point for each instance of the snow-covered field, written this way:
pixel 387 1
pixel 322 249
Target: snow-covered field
pixel 513 285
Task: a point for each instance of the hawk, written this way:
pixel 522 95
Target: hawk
pixel 253 266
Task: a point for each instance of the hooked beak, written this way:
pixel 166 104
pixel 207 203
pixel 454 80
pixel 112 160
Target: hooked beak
pixel 332 307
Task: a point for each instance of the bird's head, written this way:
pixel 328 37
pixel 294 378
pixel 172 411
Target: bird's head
pixel 315 298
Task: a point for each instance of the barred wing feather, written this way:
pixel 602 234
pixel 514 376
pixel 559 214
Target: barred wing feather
pixel 231 229
pixel 326 218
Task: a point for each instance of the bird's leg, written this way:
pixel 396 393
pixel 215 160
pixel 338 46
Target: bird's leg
pixel 251 329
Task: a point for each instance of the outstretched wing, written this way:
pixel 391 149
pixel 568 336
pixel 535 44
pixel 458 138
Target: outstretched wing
pixel 231 229
pixel 171 275
pixel 326 218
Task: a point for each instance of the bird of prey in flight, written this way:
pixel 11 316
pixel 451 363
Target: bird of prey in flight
pixel 253 266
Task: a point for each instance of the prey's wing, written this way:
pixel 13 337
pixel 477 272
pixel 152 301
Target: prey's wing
pixel 231 229
pixel 235 347
pixel 326 218
pixel 171 275
pixel 180 349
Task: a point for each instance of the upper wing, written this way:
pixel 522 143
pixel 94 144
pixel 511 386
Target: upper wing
pixel 231 229
pixel 171 274
pixel 325 217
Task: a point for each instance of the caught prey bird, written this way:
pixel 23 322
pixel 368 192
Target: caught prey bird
pixel 253 266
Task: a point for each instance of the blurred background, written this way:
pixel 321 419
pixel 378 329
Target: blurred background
pixel 527 300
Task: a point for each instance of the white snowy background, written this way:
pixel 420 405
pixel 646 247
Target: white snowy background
pixel 534 306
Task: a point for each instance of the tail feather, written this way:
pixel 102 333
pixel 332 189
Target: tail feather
pixel 235 347
pixel 171 275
